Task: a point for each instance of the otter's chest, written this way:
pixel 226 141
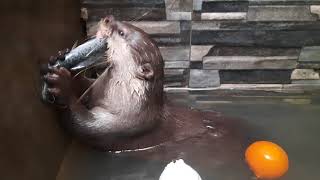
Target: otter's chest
pixel 118 90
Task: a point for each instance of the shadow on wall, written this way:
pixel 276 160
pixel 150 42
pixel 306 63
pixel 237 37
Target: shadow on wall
pixel 32 143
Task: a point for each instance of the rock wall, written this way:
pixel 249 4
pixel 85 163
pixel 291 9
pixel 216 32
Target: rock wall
pixel 208 43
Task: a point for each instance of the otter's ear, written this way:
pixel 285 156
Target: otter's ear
pixel 145 72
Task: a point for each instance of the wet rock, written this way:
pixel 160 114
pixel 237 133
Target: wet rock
pixel 205 25
pixel 297 101
pixel 283 2
pixel 255 76
pixel 175 53
pixel 123 3
pixel 150 27
pixel 249 62
pixel 159 27
pixel 168 40
pixel 315 10
pixel 308 65
pixel 301 88
pixel 225 6
pixel 224 16
pixel 128 13
pixel 305 74
pixel 280 13
pixel 179 9
pixel 180 39
pixel 305 82
pixel 196 65
pixel 176 64
pixel 173 16
pixel 253 26
pixel 198 52
pixel 292 38
pixel 197 5
pixel 204 78
pixel 310 54
pixel 271 26
pixel 252 51
pixel 175 77
pixel 179 5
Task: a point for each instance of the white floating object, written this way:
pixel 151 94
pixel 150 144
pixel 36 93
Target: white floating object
pixel 179 170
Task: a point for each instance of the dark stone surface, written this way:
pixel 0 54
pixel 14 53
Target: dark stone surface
pixel 185 26
pixel 252 51
pixel 255 76
pixel 181 39
pixel 196 15
pixel 305 81
pixel 280 13
pixel 185 5
pixel 168 40
pixel 308 65
pixel 127 14
pixel 175 77
pixel 123 3
pixel 176 64
pixel 276 36
pixel 224 6
pixel 249 62
pixel 175 53
pixel 200 78
pixel 284 2
pixel 297 26
pixel 305 74
pixel 196 65
pixel 257 38
pixel 179 5
pixel 224 16
pixel 153 28
pixel 310 54
pixel 198 52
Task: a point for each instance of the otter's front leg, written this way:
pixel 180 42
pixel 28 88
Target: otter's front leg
pixel 80 83
pixel 60 81
pixel 96 125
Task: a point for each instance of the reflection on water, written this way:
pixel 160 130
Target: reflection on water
pixel 291 121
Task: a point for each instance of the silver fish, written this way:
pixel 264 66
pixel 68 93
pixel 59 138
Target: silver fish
pixel 85 55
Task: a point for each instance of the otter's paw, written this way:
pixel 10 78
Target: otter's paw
pixel 46 68
pixel 60 84
pixel 61 56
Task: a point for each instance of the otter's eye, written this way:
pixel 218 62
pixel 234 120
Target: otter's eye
pixel 121 33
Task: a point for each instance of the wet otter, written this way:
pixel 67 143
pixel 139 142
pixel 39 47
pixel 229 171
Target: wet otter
pixel 125 108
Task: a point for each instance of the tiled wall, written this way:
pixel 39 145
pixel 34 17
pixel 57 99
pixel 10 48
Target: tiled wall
pixel 206 43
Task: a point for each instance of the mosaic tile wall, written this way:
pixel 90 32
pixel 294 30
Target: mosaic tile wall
pixel 206 43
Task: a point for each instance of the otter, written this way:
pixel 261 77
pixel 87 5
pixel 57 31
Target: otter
pixel 125 107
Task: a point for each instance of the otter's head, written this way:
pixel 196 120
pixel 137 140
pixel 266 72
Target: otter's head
pixel 130 49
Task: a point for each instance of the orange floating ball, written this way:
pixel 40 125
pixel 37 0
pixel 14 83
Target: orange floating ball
pixel 267 160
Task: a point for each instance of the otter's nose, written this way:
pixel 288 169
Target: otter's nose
pixel 108 19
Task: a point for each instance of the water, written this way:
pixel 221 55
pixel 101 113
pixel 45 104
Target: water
pixel 291 121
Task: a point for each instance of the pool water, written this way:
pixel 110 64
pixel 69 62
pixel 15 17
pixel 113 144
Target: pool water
pixel 290 120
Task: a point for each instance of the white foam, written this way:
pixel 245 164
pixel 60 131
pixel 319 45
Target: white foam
pixel 177 170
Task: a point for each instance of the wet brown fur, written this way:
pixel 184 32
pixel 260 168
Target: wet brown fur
pixel 125 107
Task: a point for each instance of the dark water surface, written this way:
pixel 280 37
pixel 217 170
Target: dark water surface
pixel 290 120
